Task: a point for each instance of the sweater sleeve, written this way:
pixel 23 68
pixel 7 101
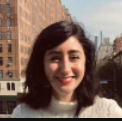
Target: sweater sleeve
pixel 17 113
pixel 114 110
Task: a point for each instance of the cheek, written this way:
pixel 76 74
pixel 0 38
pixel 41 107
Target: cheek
pixel 51 69
pixel 79 68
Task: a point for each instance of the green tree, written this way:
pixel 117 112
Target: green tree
pixel 109 70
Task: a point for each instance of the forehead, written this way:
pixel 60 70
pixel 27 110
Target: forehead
pixel 70 45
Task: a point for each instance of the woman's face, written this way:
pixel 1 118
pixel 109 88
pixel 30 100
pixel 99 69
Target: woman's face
pixel 65 66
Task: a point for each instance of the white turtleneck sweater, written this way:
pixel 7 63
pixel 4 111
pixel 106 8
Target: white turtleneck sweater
pixel 102 108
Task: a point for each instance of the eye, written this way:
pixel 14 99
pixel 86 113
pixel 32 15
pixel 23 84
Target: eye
pixel 74 58
pixel 55 59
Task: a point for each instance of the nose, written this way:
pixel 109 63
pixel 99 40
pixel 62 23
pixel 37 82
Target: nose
pixel 65 67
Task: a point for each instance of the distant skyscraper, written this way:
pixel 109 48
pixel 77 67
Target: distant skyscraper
pixel 106 40
pixel 101 37
pixel 96 42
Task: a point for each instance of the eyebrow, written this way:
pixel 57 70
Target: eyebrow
pixel 59 53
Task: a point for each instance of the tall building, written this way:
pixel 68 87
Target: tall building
pixel 20 23
pixel 105 50
pixel 101 37
pixel 118 45
pixel 96 43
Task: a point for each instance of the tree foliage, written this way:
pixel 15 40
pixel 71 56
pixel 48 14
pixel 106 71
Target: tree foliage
pixel 109 70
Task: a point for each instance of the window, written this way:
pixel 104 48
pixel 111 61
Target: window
pixel 9 35
pixel 0 22
pixel 9 61
pixel 8 22
pixel 10 74
pixel 1 111
pixel 20 11
pixel 1 74
pixel 0 86
pixel 0 9
pixel 9 48
pixel 8 87
pixel 11 106
pixel 22 61
pixel 7 1
pixel 0 35
pixel 1 48
pixel 21 48
pixel 13 86
pixel 1 61
pixel 8 9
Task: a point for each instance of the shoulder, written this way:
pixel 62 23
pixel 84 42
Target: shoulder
pixel 110 107
pixel 104 108
pixel 24 111
pixel 103 102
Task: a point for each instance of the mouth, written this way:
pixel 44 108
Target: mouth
pixel 65 80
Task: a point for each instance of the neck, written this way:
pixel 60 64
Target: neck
pixel 65 98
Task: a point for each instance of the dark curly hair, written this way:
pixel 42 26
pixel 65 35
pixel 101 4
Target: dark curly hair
pixel 38 93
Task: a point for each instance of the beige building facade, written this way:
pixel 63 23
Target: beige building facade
pixel 105 50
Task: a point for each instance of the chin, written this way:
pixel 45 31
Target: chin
pixel 66 91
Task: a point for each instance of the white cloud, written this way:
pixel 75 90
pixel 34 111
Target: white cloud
pixel 107 18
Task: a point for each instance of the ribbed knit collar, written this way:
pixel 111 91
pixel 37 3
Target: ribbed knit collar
pixel 63 106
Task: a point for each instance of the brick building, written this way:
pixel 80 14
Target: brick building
pixel 118 50
pixel 118 58
pixel 20 22
pixel 118 44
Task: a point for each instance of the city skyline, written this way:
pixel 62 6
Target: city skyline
pixel 98 16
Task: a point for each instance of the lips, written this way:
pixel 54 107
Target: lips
pixel 65 80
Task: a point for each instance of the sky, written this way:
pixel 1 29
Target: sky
pixel 98 15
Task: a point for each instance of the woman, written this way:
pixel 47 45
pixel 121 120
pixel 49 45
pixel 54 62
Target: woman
pixel 60 78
